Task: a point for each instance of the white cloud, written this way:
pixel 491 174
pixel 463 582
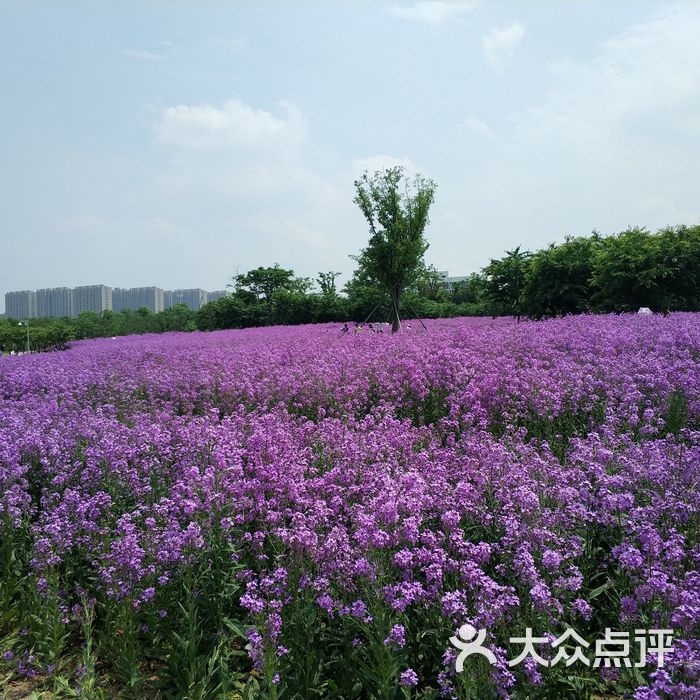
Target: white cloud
pixel 434 12
pixel 641 87
pixel 254 172
pixel 144 55
pixel 500 44
pixel 614 144
pixel 235 124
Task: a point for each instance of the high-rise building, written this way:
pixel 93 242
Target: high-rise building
pixel 120 299
pixel 137 297
pixel 20 304
pixel 213 296
pixel 54 303
pixel 193 298
pixel 95 297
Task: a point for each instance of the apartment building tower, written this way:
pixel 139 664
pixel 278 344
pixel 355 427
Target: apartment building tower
pixel 55 302
pixel 120 299
pixel 20 305
pixel 95 297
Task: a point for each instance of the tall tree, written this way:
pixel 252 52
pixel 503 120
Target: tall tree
pixel 505 282
pixel 397 216
pixel 559 278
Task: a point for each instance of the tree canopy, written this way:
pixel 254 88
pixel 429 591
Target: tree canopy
pixel 506 280
pixel 264 282
pixel 558 278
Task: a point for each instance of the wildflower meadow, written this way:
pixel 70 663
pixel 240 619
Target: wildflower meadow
pixel 296 512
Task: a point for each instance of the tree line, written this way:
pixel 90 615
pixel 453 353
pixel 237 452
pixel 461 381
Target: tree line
pixel 617 273
pixel 593 273
pixel 623 272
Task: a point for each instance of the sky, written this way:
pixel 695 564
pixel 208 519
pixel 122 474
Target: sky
pixel 178 143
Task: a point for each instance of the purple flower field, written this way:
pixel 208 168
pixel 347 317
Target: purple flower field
pixel 294 512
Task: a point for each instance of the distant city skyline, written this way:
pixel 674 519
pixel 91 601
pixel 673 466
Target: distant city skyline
pixel 59 302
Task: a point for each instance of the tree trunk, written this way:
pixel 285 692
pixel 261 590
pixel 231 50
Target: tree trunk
pixel 395 319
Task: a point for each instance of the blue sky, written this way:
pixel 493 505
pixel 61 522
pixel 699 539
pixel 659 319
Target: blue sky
pixel 176 143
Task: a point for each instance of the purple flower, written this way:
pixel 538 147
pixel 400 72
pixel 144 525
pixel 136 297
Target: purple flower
pixel 583 608
pixel 551 559
pixel 397 636
pixel 326 603
pixel 409 678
